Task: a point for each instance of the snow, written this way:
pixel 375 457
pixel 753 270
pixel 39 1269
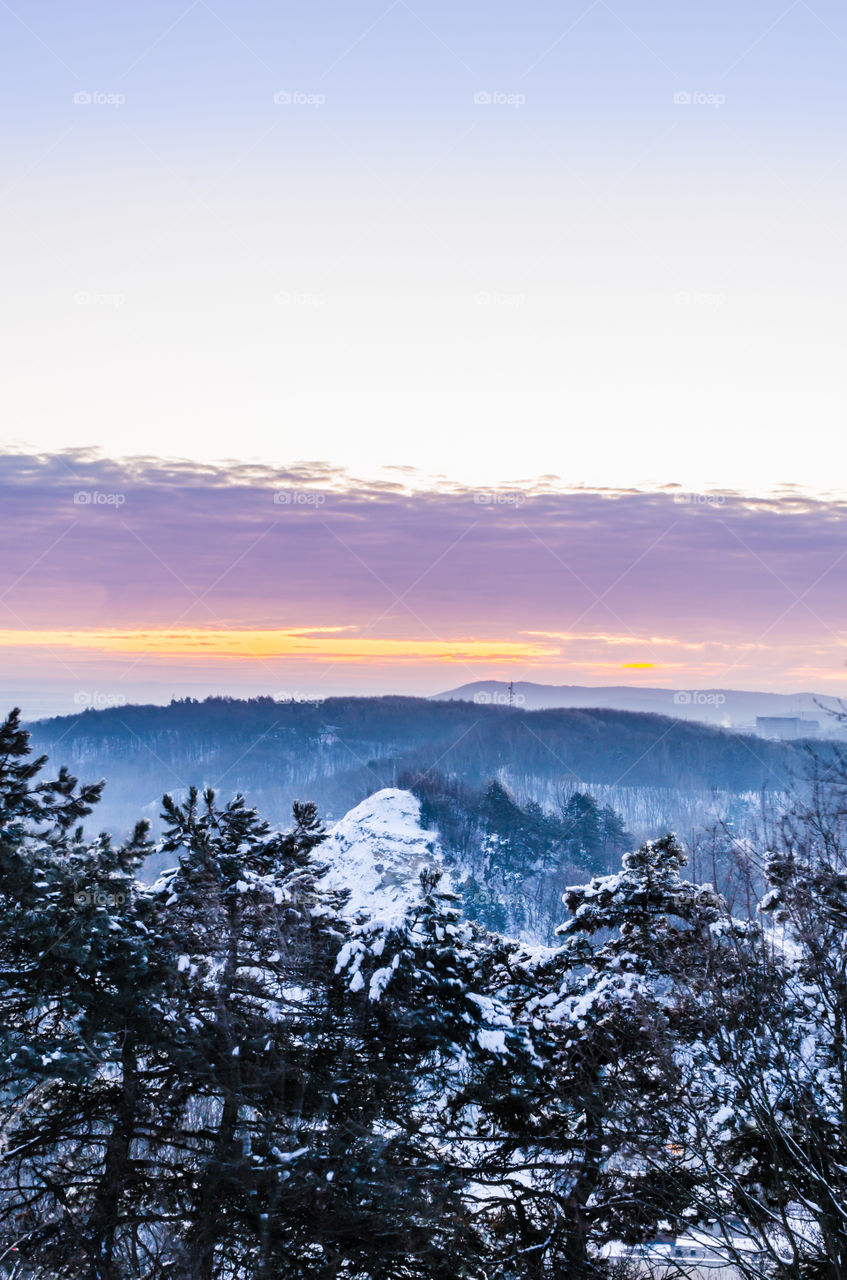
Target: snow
pixel 377 851
pixel 379 981
pixel 808 1050
pixel 491 1009
pixel 285 1157
pixel 492 1041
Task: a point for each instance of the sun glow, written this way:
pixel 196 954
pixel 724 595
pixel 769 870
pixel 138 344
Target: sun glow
pixel 322 642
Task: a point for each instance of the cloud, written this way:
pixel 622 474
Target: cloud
pixel 573 580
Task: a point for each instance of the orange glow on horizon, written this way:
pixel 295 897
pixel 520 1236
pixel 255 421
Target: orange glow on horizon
pixel 294 642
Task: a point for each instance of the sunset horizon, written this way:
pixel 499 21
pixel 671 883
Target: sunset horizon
pixel 259 579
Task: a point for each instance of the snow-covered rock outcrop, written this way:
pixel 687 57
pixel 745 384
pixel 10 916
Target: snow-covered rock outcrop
pixel 378 851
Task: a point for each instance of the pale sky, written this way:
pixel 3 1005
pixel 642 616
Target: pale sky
pixel 625 269
pixel 561 247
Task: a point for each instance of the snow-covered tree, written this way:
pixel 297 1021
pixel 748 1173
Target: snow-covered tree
pixel 765 1128
pixel 76 982
pixel 439 1049
pixel 241 1073
pixel 251 936
pixel 604 1019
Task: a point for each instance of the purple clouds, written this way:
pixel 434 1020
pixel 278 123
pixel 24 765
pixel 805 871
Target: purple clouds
pixel 706 589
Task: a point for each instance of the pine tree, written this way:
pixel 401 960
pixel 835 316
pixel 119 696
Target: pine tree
pixel 603 1023
pixel 252 939
pixel 439 1049
pixel 765 1121
pixel 591 835
pixel 73 970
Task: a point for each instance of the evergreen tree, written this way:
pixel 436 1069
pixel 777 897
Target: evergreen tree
pixel 604 1023
pixel 252 937
pixel 593 836
pixel 440 1049
pixel 767 1088
pixel 75 975
pixel 223 1077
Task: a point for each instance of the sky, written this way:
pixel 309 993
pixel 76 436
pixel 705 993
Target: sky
pixel 515 290
pixel 138 581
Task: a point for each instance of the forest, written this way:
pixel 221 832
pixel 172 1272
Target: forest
pixel 224 1075
pixel 653 769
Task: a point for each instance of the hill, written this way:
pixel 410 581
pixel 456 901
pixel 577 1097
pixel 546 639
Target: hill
pixel 728 708
pixel 338 751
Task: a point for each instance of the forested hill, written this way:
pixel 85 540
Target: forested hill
pixel 339 750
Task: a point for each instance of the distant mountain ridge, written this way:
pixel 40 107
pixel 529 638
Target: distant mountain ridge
pixel 728 708
pixel 341 750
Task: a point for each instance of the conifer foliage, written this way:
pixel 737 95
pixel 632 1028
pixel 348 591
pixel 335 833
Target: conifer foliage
pixel 230 1075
